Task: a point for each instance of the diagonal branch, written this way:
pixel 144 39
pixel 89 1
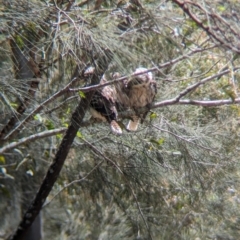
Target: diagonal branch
pixel 203 81
pixel 184 5
pixel 32 138
pixel 56 166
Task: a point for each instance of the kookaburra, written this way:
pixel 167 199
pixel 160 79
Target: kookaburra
pixel 103 106
pixel 138 91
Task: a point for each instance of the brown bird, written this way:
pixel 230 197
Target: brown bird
pixel 136 92
pixel 103 106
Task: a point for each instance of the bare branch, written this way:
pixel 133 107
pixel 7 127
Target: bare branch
pixel 210 103
pixel 202 103
pixel 196 85
pixel 33 137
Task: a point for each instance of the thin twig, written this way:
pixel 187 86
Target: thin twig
pixel 133 193
pixel 73 182
pixel 139 208
pixel 185 140
pixel 101 154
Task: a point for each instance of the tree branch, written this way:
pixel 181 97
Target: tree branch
pixel 32 138
pixel 210 103
pixel 203 81
pixel 184 5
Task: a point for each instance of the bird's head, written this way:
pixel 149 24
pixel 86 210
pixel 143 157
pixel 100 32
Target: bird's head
pixel 146 76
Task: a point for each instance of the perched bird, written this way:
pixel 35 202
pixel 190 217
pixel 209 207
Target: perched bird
pixel 138 91
pixel 103 106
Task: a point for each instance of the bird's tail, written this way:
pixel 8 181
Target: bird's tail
pixel 116 129
pixel 133 124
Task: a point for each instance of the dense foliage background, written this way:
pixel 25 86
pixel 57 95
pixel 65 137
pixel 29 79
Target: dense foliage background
pixel 177 177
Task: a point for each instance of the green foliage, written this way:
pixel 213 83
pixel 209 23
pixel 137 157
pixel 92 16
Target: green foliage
pixel 153 115
pixel 177 176
pixel 49 124
pixel 19 41
pixel 79 134
pixel 82 94
pixel 221 8
pixel 2 159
